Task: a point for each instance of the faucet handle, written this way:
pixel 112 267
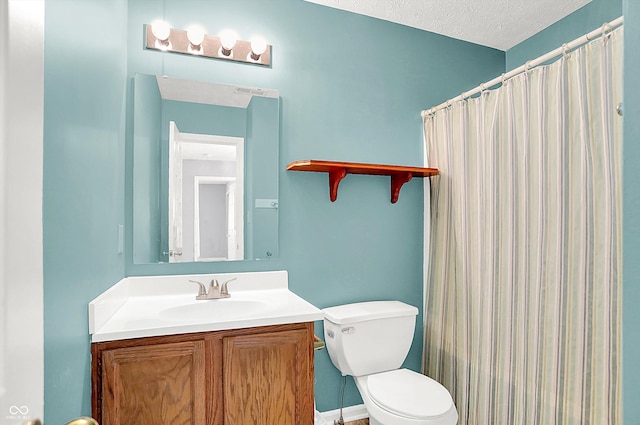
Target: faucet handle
pixel 202 291
pixel 224 291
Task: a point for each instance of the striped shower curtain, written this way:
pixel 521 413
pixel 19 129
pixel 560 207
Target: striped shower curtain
pixel 523 283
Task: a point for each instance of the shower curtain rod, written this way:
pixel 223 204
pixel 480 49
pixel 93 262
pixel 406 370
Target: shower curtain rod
pixel 564 49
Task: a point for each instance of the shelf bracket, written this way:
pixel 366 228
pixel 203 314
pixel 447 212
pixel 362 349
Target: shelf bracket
pixel 335 175
pixel 397 180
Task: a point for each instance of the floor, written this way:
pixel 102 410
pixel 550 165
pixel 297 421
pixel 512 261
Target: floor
pixel 358 422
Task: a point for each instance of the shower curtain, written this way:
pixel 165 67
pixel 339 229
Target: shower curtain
pixel 523 283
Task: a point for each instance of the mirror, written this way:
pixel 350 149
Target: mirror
pixel 205 171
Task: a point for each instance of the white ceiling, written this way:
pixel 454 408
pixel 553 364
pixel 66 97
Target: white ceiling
pixel 500 24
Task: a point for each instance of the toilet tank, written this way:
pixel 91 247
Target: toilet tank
pixel 369 337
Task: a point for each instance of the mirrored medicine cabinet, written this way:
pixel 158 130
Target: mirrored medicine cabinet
pixel 205 171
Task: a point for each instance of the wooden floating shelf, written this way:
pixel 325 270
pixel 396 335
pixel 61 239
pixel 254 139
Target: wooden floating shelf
pixel 338 170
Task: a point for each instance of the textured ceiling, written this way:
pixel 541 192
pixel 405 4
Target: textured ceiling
pixel 500 24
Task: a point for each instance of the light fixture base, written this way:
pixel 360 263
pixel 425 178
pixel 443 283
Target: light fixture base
pixel 210 47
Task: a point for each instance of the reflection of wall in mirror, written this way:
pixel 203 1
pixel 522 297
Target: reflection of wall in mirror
pixel 146 172
pixel 263 127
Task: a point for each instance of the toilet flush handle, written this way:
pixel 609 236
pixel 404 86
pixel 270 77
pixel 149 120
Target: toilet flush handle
pixel 348 330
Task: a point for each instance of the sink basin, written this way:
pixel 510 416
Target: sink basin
pixel 227 308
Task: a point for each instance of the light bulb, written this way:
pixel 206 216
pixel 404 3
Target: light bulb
pixel 195 34
pixel 258 47
pixel 160 29
pixel 228 39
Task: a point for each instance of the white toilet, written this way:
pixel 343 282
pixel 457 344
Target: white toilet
pixel 369 341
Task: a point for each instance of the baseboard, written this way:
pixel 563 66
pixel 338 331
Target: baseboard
pixel 349 413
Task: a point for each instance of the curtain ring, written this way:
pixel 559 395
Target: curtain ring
pixel 527 66
pixel 565 51
pixel 606 32
pixel 503 80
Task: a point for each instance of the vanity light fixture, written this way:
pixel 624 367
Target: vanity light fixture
pixel 194 41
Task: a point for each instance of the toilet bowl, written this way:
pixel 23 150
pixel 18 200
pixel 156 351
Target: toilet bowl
pixel 405 397
pixel 369 341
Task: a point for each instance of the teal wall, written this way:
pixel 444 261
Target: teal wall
pixel 631 218
pixel 83 192
pixel 351 89
pixel 582 21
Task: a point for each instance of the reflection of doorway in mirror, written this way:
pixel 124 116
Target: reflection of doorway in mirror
pixel 214 219
pixel 206 197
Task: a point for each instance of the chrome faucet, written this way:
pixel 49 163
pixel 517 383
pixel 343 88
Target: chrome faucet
pixel 216 290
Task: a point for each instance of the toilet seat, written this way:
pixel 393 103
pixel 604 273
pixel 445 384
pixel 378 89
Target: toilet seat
pixel 409 394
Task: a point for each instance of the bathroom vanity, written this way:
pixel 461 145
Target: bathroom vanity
pixel 242 376
pixel 167 359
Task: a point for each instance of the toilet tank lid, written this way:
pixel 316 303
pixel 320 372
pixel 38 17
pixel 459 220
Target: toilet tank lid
pixel 358 312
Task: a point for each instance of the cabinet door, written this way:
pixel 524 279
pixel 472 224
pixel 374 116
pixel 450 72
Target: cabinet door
pixel 154 384
pixel 268 379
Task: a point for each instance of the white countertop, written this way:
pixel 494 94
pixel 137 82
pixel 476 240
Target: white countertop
pixel 165 305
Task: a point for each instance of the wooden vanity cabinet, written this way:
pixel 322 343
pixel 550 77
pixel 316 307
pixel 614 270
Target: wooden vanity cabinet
pixel 235 377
